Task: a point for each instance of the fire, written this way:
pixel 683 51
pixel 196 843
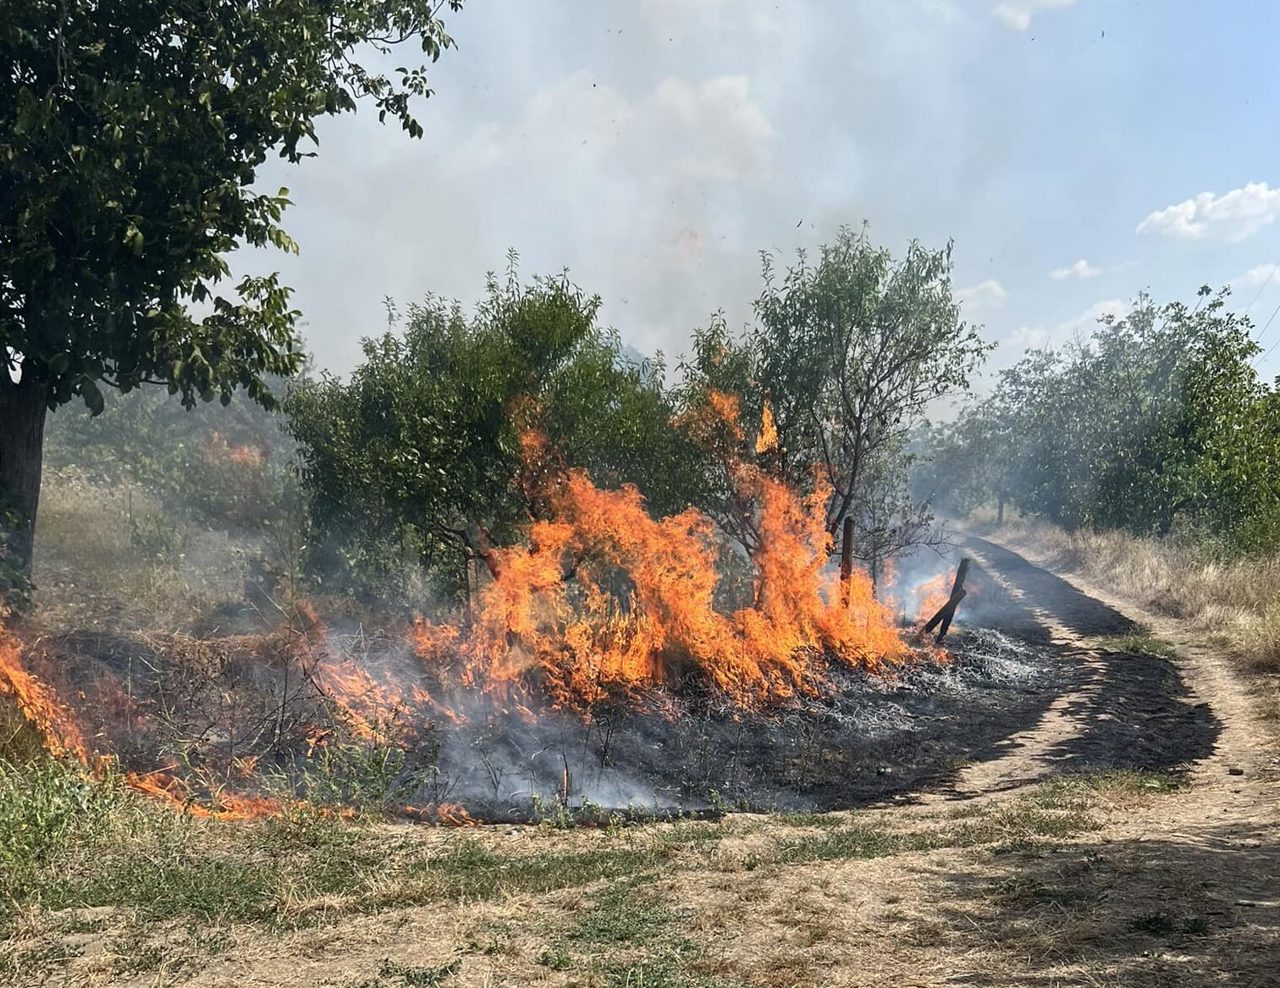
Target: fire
pixel 178 795
pixel 369 707
pixel 601 600
pixel 64 738
pixel 579 640
pixel 446 814
pixel 724 408
pixel 219 450
pixel 40 705
pixel 767 441
pixel 930 596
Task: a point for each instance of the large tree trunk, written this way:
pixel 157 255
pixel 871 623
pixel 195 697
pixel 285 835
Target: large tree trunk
pixel 22 415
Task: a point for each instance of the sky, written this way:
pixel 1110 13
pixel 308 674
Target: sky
pixel 1076 152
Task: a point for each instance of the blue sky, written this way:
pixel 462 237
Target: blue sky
pixel 1077 151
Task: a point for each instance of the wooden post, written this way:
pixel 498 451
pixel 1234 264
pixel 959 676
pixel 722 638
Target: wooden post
pixel 948 610
pixel 846 559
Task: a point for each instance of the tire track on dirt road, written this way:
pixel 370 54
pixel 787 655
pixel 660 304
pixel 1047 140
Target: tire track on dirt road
pixel 1117 707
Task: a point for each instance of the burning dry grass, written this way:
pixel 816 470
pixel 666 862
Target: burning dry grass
pixel 583 640
pixel 602 604
pixel 1237 600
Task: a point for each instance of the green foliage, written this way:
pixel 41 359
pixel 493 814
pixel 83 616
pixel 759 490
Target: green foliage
pixel 66 843
pixel 129 142
pixel 42 806
pixel 1140 643
pixel 847 353
pixel 131 134
pixel 1157 424
pixel 418 456
pixel 371 776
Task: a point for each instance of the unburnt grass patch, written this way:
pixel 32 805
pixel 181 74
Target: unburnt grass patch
pixel 1139 643
pixel 72 847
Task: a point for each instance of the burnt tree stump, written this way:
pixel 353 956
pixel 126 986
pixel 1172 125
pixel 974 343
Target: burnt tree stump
pixel 948 610
pixel 846 559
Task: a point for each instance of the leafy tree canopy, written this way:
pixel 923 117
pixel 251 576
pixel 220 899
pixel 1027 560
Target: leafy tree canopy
pixel 847 351
pixel 421 449
pixel 1158 421
pixel 130 138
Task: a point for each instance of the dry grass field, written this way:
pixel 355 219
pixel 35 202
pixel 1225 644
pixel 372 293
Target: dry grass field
pixel 1034 865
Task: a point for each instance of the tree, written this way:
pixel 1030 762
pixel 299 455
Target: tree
pixel 433 448
pixel 1158 422
pixel 131 132
pixel 965 463
pixel 847 353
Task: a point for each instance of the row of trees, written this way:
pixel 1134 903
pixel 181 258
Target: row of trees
pixel 416 458
pixel 1156 424
pixel 130 141
pixel 413 464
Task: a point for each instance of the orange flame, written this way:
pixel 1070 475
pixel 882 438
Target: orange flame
pixel 580 641
pixel 930 596
pixel 370 707
pixel 219 450
pixel 64 738
pixel 445 814
pixel 39 703
pixel 767 441
pixel 178 796
pixel 602 598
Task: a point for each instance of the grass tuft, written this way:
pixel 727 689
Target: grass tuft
pixel 1140 643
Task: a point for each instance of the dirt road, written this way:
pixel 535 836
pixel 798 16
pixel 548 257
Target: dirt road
pixel 1124 832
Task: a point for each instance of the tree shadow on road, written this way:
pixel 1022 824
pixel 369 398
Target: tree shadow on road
pixel 1123 709
pixel 1169 912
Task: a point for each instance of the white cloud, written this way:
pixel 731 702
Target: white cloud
pixel 986 295
pixel 1037 337
pixel 1231 217
pixel 1081 269
pixel 1116 307
pixel 1017 14
pixel 1255 277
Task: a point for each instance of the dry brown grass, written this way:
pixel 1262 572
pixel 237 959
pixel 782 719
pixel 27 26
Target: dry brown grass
pixel 1236 602
pixel 112 557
